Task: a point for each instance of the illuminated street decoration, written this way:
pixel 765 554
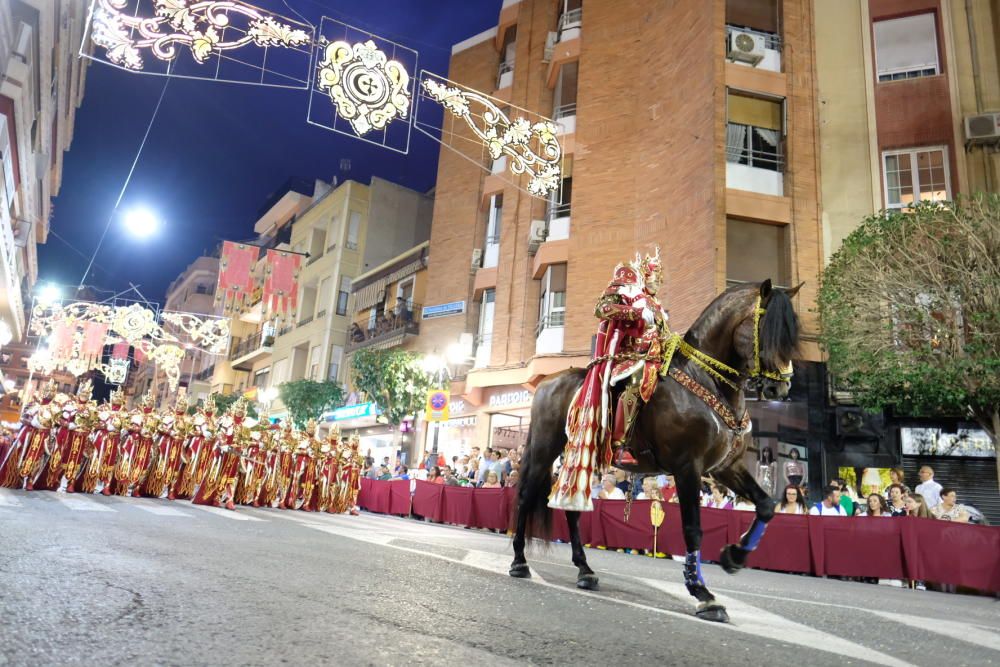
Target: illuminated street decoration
pixel 165 340
pixel 531 148
pixel 369 89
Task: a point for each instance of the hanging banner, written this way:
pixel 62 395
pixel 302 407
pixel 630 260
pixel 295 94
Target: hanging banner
pixel 94 334
pixel 120 351
pixel 236 282
pixel 281 286
pixel 61 342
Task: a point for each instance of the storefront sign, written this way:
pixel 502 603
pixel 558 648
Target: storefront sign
pixel 352 412
pixel 437 405
pixel 444 310
pixel 510 398
pixel 457 407
pixel 935 442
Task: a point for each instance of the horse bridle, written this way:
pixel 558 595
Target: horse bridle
pixel 785 374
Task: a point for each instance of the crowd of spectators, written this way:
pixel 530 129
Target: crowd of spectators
pixel 385 322
pixel 492 469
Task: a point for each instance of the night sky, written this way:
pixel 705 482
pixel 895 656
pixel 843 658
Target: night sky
pixel 217 150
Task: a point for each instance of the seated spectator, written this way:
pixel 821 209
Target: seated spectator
pixel 928 488
pixel 621 480
pixel 845 499
pixel 609 489
pixel 462 467
pixel 877 506
pixel 650 490
pixel 402 473
pixel 719 498
pixel 384 474
pixel 917 506
pixel 792 501
pixel 949 509
pixel 357 335
pixel 897 476
pixel 492 480
pixel 897 504
pixel 512 478
pixel 830 505
pixel 667 488
pixel 434 475
pixel 450 479
pixel 472 472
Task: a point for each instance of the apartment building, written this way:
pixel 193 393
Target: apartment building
pixel 41 86
pixel 343 231
pixel 689 124
pixel 909 111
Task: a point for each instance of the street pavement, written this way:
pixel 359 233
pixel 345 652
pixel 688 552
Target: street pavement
pixel 109 581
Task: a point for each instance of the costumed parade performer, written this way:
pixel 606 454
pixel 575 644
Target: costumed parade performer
pixel 24 456
pixel 108 424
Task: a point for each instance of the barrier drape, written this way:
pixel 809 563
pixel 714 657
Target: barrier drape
pixel 896 548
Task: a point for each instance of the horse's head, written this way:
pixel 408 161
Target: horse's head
pixel 767 339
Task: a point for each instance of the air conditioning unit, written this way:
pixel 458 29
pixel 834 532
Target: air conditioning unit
pixel 537 234
pixel 746 47
pixel 550 45
pixel 982 128
pixel 477 258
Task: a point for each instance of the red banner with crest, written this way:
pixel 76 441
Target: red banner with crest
pixel 236 280
pixel 281 286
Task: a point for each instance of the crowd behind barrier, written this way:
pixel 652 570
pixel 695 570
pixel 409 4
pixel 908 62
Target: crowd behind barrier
pixel 907 548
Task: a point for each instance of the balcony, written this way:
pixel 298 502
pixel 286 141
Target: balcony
pixel 570 24
pixel 565 118
pixel 484 348
pixel 392 330
pixel 505 75
pixel 558 222
pixel 549 333
pixel 754 159
pixel 771 52
pixel 491 253
pixel 251 350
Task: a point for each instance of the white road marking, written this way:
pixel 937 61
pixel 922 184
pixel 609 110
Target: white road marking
pixel 761 623
pixel 161 510
pixel 749 620
pixel 228 514
pixel 8 499
pixel 82 503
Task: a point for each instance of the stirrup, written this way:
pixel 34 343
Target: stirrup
pixel 623 457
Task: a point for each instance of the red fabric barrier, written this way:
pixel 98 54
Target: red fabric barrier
pixel 399 497
pixel 490 508
pixel 456 505
pixel 427 500
pixel 636 533
pixel 785 546
pixel 952 553
pixel 364 493
pixel 378 497
pixel 859 546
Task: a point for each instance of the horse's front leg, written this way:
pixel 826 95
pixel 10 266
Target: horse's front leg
pixel 689 496
pixel 734 556
pixel 585 577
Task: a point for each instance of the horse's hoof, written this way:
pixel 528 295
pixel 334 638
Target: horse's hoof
pixel 712 611
pixel 587 582
pixel 520 571
pixel 730 560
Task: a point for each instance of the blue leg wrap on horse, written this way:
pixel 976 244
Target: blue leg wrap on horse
pixel 751 538
pixel 692 569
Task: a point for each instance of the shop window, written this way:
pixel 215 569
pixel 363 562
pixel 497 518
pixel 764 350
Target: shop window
pixel 906 48
pixel 916 175
pixel 757 251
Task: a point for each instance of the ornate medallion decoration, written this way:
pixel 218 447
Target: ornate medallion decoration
pixel 530 148
pixel 368 89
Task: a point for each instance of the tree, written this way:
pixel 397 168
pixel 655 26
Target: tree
pixel 394 379
pixel 223 401
pixel 307 399
pixel 910 311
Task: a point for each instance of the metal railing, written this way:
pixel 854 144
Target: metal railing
pixel 553 320
pixel 571 19
pixel 772 40
pixel 401 319
pixel 205 374
pixel 752 150
pixel 505 67
pixel 493 239
pixel 563 110
pixel 251 344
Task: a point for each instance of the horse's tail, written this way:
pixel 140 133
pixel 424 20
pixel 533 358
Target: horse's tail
pixel 533 494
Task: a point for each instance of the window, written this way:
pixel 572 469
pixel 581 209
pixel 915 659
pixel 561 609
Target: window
pixel 279 369
pixel 486 314
pixel 561 200
pixel 343 294
pixel 317 244
pixel 754 131
pixel 324 295
pixel 564 98
pixel 916 175
pixel 353 230
pixel 314 362
pixel 756 251
pixel 6 165
pixel 333 231
pixel 336 357
pixel 493 220
pixel 261 377
pixel 552 301
pixel 906 48
pixel 372 318
pixel 202 289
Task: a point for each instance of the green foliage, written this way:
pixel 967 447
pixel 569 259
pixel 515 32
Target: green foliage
pixel 223 401
pixel 910 311
pixel 393 379
pixel 307 399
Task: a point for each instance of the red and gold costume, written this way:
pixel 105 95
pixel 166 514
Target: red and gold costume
pixel 198 451
pixel 330 476
pixel 171 435
pixel 136 448
pixel 79 444
pixel 253 469
pixel 24 457
pixel 50 476
pixel 219 486
pixel 104 438
pixel 287 442
pixel 267 490
pixel 628 350
pixel 354 466
pixel 303 480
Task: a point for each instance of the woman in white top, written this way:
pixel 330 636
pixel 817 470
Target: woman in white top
pixel 792 501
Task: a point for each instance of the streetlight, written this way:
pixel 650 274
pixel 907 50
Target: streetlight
pixel 141 222
pixel 48 294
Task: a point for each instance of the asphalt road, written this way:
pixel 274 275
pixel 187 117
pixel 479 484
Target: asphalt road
pixel 109 581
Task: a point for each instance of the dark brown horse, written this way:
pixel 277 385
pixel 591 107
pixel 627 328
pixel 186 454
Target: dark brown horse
pixel 676 431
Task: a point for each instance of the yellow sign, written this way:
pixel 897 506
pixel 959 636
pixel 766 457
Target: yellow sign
pixel 437 405
pixel 656 514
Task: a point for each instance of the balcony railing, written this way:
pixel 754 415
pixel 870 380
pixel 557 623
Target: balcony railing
pixel 505 74
pixel 402 320
pixel 555 319
pixel 754 146
pixel 256 342
pixel 206 374
pixel 568 21
pixel 564 110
